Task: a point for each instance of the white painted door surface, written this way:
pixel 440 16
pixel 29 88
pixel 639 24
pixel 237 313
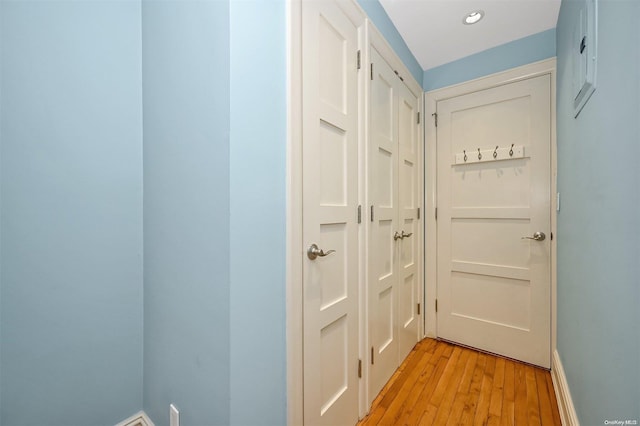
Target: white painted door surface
pixel 330 200
pixel 409 200
pixel 393 200
pixel 493 285
pixel 383 198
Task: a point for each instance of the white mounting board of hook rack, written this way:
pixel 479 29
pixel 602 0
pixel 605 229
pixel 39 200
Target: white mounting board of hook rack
pixel 487 155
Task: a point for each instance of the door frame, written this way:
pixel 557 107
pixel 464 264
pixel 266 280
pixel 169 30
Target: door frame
pixel 545 67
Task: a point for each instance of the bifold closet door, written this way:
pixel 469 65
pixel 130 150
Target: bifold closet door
pixel 394 235
pixel 408 222
pixel 383 198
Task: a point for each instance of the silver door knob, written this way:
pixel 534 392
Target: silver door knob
pixel 403 235
pixel 314 252
pixel 397 236
pixel 538 236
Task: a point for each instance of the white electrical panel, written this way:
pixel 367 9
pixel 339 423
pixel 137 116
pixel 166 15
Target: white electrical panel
pixel 584 53
pixel 174 416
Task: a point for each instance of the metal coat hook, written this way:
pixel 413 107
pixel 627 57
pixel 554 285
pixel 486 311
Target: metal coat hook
pixel 511 150
pixel 479 154
pixel 465 155
pixel 495 152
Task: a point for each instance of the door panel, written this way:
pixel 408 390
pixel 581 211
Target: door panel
pixel 408 210
pixel 493 285
pixel 330 199
pixel 383 189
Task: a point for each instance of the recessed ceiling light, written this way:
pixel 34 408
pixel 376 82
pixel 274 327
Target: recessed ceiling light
pixel 473 17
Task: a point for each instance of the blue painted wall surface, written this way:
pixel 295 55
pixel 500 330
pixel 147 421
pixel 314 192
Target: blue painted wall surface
pixel 381 20
pixel 186 210
pixel 599 225
pixel 71 224
pixel 500 58
pixel 258 212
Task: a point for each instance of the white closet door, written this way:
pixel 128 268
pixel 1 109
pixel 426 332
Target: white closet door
pixel 330 200
pixel 382 248
pixel 409 244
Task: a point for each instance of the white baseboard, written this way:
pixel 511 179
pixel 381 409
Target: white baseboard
pixel 568 414
pixel 139 419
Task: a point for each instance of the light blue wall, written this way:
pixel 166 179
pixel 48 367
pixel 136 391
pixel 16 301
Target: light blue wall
pixel 381 20
pixel 186 210
pixel 599 224
pixel 500 58
pixel 71 219
pixel 258 212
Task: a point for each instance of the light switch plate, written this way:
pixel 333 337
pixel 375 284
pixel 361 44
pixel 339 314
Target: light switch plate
pixel 584 53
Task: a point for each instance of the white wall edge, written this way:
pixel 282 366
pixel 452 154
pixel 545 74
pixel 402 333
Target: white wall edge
pixel 138 419
pixel 568 414
pixel 294 314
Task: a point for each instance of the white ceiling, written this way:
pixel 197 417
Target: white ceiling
pixel 434 31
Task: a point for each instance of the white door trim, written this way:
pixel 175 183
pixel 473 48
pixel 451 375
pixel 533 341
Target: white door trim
pixel 535 69
pixel 294 255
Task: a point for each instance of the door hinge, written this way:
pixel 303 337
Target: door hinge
pixel 435 117
pixel 436 305
pixel 552 236
pixel 418 212
pixel 436 213
pixel 372 356
pixel 371 70
pixel 359 60
pixel 418 118
pixel 418 309
pixel 359 214
pixel 359 369
pixel 372 213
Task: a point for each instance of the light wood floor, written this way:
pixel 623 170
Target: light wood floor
pixel 443 384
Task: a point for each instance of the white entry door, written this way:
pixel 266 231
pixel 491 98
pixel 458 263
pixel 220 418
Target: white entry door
pixel 330 203
pixel 493 224
pixel 394 234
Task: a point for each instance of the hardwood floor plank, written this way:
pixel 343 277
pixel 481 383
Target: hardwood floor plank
pixel 448 375
pixel 426 393
pixel 497 393
pixel 460 398
pixel 469 411
pixel 546 415
pixel 554 401
pixel 428 417
pixel 533 405
pixel 508 397
pixel 482 410
pixel 444 384
pixel 520 403
pixel 446 403
pixel 397 406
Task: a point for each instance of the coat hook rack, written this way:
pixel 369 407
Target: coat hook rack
pixel 491 154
